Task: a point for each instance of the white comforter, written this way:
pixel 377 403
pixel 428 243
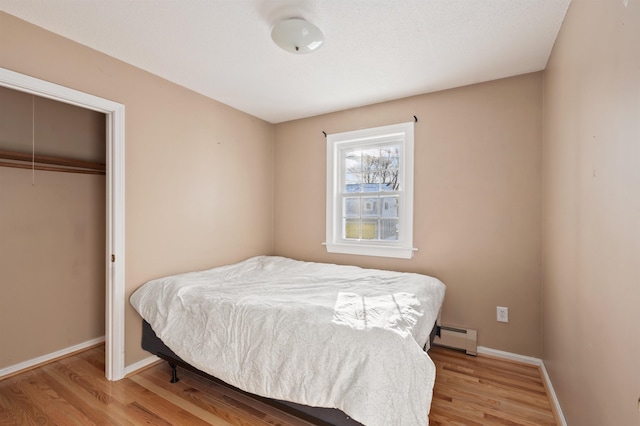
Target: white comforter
pixel 315 334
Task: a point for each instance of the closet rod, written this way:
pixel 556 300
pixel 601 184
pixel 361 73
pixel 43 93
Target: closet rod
pixel 68 162
pixel 52 168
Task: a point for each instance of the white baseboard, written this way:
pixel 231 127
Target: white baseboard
pixel 140 365
pixel 509 355
pixel 533 361
pixel 553 395
pixel 12 369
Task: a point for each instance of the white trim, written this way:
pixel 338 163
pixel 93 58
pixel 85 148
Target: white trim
pixel 553 395
pixel 115 300
pixel 509 355
pixel 12 369
pixel 533 361
pixel 371 250
pixel 130 369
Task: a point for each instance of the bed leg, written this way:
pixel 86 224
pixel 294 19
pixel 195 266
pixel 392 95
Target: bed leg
pixel 174 373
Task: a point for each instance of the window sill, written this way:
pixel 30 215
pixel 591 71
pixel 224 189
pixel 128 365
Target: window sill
pixel 371 250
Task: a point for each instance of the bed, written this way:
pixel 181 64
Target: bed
pixel 343 344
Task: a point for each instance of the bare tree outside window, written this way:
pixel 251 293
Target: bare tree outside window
pixel 378 165
pixel 388 167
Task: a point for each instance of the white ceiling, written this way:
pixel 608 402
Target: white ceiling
pixel 374 50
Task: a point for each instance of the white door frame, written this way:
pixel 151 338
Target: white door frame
pixel 115 301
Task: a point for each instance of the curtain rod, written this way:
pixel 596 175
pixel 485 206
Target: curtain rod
pixel 415 120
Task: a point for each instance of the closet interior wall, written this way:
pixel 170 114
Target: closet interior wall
pixel 52 229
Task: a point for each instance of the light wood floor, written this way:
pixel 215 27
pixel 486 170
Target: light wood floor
pixel 484 390
pixel 73 391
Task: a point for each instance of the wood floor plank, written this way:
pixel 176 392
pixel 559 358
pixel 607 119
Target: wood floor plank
pixel 99 406
pixel 185 404
pixel 57 409
pixel 189 391
pixel 204 393
pixel 232 400
pixel 470 391
pixel 16 406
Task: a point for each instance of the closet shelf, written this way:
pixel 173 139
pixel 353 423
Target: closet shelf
pixel 27 161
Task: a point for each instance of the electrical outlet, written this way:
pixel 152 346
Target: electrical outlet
pixel 502 314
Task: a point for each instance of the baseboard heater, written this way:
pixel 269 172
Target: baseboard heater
pixel 458 338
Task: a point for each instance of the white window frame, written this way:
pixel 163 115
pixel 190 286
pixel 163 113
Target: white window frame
pixel 403 247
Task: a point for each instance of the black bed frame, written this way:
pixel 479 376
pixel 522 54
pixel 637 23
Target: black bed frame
pixel 317 415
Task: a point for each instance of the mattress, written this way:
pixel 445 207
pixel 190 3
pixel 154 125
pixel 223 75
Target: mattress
pixel 315 334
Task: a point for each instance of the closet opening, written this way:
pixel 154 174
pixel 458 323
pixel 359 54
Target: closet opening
pixel 62 220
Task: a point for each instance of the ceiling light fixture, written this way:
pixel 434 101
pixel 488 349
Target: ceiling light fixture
pixel 298 36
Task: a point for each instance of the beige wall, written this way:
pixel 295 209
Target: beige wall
pixel 51 262
pixel 199 174
pixel 477 200
pixel 591 170
pixel 59 129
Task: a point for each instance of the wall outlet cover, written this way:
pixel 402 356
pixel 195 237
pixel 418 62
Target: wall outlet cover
pixel 502 314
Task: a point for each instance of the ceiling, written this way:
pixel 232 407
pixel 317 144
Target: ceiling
pixel 374 50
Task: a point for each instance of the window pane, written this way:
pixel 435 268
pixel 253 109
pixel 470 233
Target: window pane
pixel 377 182
pixel 371 159
pixel 389 187
pixel 390 157
pixel 389 180
pixel 352 207
pixel 353 161
pixel 353 177
pixel 352 182
pixel 370 207
pixel 352 228
pixel 369 229
pixel 389 207
pixel 388 229
pixel 353 187
pixel 370 187
pixel 389 163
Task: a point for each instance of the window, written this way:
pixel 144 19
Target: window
pixel 370 191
